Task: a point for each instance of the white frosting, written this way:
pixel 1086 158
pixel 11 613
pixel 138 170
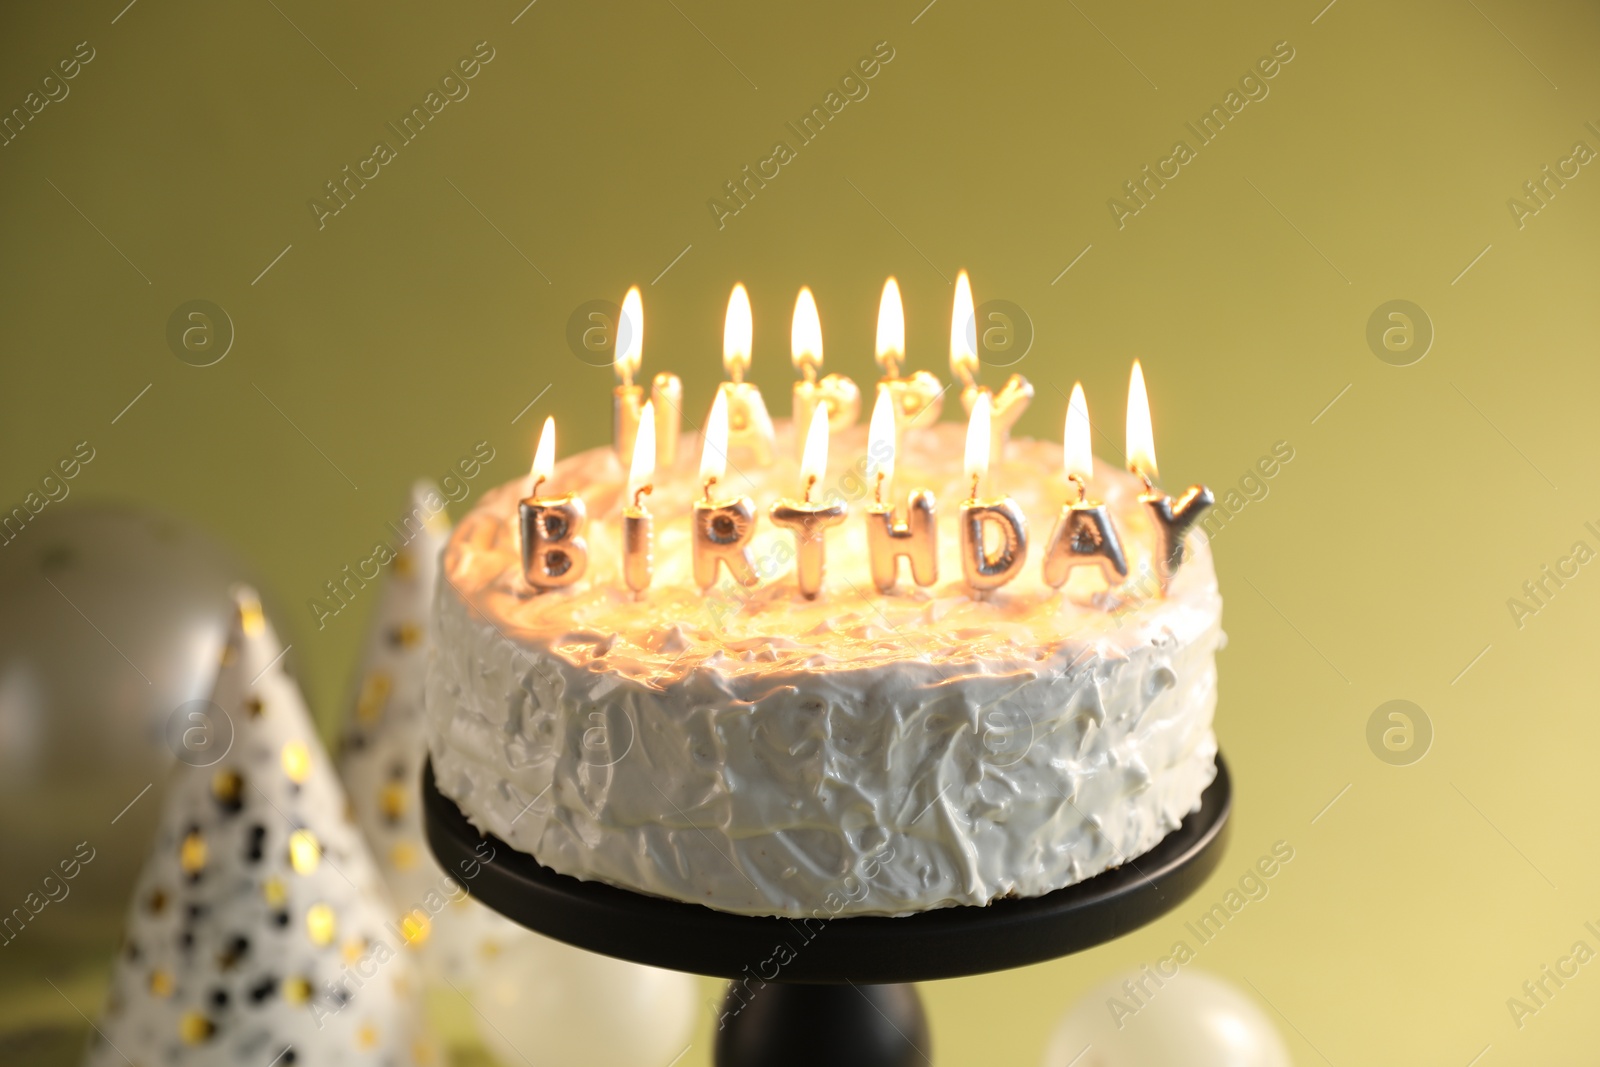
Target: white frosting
pixel 856 754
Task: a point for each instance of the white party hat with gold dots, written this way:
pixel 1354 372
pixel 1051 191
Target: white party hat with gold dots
pixel 384 746
pixel 260 930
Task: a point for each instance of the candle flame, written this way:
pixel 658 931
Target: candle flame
pixel 977 457
pixel 1141 438
pixel 805 335
pixel 544 457
pixel 1076 451
pixel 964 334
pixel 643 467
pixel 814 461
pixel 880 440
pixel 736 331
pixel 714 451
pixel 891 347
pixel 630 336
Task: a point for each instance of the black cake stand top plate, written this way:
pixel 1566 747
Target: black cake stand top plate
pixel 942 943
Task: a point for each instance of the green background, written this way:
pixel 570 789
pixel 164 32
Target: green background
pixel 415 324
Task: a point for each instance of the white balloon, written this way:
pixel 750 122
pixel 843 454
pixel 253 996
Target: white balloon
pixel 547 1004
pixel 1194 1019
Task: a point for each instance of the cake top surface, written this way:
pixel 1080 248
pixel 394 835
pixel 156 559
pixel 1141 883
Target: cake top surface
pixel 674 627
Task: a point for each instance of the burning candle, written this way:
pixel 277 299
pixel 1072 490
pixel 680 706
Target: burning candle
pixel 1007 406
pixel 749 425
pixel 984 567
pixel 808 519
pixel 1170 518
pixel 638 527
pixel 887 539
pixel 627 399
pixel 553 555
pixel 835 392
pixel 722 528
pixel 1083 535
pixel 918 397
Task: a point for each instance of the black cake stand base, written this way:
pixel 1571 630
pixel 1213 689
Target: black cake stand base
pixel 828 991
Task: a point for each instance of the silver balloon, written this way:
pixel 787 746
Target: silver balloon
pixel 1143 1018
pixel 111 619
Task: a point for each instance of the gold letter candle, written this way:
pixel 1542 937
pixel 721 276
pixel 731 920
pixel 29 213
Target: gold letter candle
pixel 722 529
pixel 627 399
pixel 1007 406
pixel 983 568
pixel 749 425
pixel 918 398
pixel 809 520
pixel 1084 535
pixel 887 540
pixel 1170 519
pixel 638 527
pixel 553 555
pixel 835 392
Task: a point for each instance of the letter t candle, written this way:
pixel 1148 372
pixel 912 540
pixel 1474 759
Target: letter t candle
pixel 553 555
pixel 1170 519
pixel 810 520
pixel 984 569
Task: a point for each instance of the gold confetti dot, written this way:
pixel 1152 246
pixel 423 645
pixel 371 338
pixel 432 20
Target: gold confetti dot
pixel 422 1053
pixel 254 707
pixel 227 787
pixel 374 693
pixel 392 800
pixel 161 983
pixel 296 990
pixel 415 927
pixel 250 617
pixel 275 892
pixel 403 856
pixel 157 902
pixel 321 924
pixel 304 852
pixel 367 1036
pixel 403 567
pixel 353 950
pixel 406 635
pixel 192 853
pixel 489 949
pixel 296 761
pixel 195 1028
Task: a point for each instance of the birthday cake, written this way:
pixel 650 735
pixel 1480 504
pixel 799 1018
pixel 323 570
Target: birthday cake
pixel 860 752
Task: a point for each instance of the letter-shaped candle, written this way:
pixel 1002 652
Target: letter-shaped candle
pixel 983 568
pixel 722 528
pixel 917 398
pixel 638 526
pixel 553 553
pixel 1170 518
pixel 749 425
pixel 887 540
pixel 1083 535
pixel 807 518
pixel 1007 406
pixel 835 392
pixel 627 399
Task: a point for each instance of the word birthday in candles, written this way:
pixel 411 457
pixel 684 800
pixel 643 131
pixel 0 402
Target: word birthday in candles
pixel 1085 557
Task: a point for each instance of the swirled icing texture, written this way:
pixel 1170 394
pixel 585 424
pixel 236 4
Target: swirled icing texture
pixel 856 754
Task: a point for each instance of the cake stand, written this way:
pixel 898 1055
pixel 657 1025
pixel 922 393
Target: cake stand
pixel 830 992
